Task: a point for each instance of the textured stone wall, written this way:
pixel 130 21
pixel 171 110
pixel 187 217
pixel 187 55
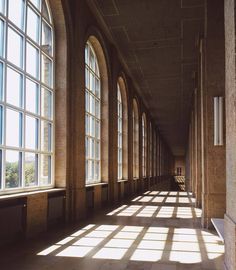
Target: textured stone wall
pixel 207 161
pixel 230 88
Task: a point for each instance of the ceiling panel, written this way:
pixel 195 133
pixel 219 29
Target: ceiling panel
pixel 157 42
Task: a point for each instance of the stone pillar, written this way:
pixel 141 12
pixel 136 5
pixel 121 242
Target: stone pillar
pixel 113 159
pixel 230 96
pixel 197 115
pixel 214 186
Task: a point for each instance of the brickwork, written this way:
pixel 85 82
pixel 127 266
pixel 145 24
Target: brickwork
pixel 36 220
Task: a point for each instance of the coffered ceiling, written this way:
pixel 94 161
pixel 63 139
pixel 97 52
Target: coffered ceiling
pixel 156 40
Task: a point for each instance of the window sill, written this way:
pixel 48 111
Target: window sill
pixel 29 193
pixel 122 180
pixel 96 184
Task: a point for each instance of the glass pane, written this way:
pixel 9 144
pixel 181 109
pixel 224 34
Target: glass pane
pixel 92 148
pixel 1 81
pixel 13 169
pixel 87 124
pixel 86 147
pixel 45 11
pixel 97 129
pixel 32 96
pixel 86 54
pixel 1 163
pixel 16 12
pixel 87 78
pixel 97 150
pixel 97 108
pixel 13 132
pixel 87 101
pixel 46 136
pixel 46 38
pixel 15 48
pixel 92 60
pixel 32 60
pixel 31 169
pixel 92 170
pixel 32 25
pixel 45 175
pixel 97 169
pixel 36 3
pixel 2 43
pixel 2 6
pixel 92 104
pixel 14 87
pixel 92 127
pixel 1 125
pixel 92 83
pixel 46 103
pixel 96 69
pixel 46 70
pixel 97 87
pixel 31 132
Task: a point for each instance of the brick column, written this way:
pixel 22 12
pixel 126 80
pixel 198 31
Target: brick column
pixel 214 186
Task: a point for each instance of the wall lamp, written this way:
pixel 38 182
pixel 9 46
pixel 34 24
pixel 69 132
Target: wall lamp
pixel 218 121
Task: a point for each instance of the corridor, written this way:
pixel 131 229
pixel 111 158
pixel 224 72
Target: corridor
pixel 159 230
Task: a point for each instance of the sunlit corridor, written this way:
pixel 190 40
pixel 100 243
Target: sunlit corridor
pixel 158 230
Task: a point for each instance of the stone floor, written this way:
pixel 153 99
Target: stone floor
pixel 157 231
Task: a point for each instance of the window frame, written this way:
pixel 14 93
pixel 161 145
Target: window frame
pixel 120 147
pixel 89 71
pixel 151 151
pixel 37 151
pixel 144 146
pixel 136 139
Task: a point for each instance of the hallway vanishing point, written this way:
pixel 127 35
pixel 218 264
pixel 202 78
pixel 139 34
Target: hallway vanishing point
pixel 159 230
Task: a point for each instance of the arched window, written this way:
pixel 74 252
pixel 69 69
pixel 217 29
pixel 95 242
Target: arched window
pixel 26 95
pixel 92 116
pixel 151 152
pixel 144 145
pixel 122 130
pixel 119 133
pixel 154 154
pixel 135 117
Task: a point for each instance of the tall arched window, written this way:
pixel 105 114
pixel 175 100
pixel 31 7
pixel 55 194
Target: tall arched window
pixel 135 117
pixel 92 116
pixel 119 132
pixel 151 152
pixel 144 145
pixel 122 130
pixel 154 154
pixel 26 95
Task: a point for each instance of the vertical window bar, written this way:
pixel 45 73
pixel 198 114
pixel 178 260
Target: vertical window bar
pixel 1 173
pixel 1 124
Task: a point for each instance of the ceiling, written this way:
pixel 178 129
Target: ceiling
pixel 156 40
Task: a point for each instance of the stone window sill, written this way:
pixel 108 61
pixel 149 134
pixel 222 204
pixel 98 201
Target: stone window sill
pixel 96 184
pixel 122 180
pixel 29 193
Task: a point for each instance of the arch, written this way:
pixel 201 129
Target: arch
pixel 122 89
pixel 100 78
pixel 135 118
pixel 144 145
pixel 62 24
